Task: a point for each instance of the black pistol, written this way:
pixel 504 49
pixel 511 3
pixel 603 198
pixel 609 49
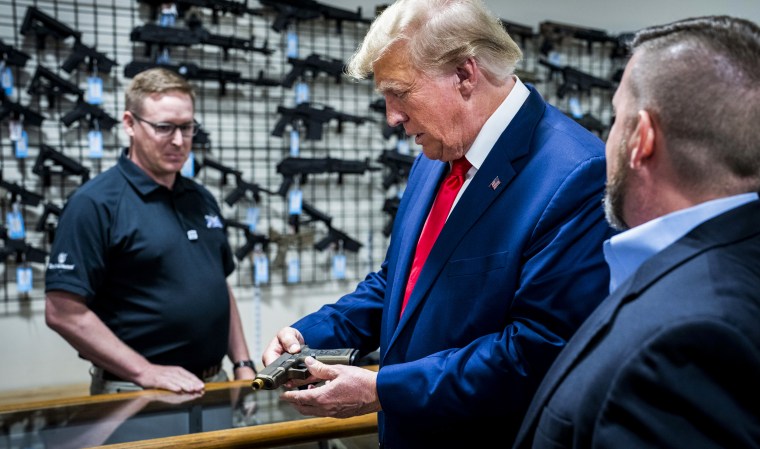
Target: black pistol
pixel 292 366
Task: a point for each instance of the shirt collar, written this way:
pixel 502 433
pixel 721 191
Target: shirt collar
pixel 496 124
pixel 625 252
pixel 141 181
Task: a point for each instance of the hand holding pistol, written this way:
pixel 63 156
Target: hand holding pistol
pixel 292 366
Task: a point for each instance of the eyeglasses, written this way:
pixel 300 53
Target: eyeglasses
pixel 166 129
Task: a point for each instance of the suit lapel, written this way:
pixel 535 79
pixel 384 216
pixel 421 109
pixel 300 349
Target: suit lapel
pixel 704 237
pixel 490 181
pixel 418 207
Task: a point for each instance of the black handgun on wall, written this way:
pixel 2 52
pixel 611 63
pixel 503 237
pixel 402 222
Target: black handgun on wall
pixel 292 366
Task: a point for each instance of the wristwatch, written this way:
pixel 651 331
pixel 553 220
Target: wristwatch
pixel 242 363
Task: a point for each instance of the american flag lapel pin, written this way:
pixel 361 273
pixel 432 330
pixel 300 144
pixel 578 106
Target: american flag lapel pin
pixel 495 183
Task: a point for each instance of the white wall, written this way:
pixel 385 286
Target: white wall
pixel 614 16
pixel 33 356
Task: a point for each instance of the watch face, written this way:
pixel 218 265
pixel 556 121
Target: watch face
pixel 242 363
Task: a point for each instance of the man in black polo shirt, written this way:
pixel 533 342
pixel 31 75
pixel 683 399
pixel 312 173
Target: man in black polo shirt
pixel 137 276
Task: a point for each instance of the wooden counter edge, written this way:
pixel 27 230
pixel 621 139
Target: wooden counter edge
pixel 61 398
pixel 265 435
pixel 100 398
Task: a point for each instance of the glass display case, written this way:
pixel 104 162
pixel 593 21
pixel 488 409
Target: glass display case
pixel 226 415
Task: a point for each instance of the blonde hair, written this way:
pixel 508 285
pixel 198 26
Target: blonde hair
pixel 440 35
pixel 152 81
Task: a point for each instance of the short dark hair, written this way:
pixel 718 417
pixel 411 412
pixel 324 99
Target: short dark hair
pixel 700 79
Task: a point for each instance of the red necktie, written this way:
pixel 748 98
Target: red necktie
pixel 438 215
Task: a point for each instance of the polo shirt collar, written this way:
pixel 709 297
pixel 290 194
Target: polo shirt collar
pixel 141 181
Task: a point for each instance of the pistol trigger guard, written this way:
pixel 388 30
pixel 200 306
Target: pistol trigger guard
pixel 299 373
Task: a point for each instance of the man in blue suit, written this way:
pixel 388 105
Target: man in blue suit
pixel 516 268
pixel 671 359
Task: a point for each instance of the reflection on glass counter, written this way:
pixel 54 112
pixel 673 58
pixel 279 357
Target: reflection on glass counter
pixel 145 415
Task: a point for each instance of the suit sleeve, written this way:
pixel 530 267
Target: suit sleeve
pixel 693 385
pixel 353 321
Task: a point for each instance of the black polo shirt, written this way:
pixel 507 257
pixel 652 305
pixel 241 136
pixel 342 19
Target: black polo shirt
pixel 151 262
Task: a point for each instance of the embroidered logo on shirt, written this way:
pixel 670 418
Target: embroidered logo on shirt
pixel 61 263
pixel 213 221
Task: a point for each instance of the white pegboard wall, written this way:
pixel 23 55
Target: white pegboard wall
pixel 239 124
pixel 241 119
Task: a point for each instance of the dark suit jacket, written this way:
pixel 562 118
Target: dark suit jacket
pixel 516 269
pixel 671 359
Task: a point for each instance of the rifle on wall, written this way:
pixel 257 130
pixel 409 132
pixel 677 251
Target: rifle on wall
pixel 334 236
pixel 554 33
pixel 314 64
pixel 20 194
pixel 42 224
pixel 289 11
pixel 93 114
pixel 42 26
pixel 191 71
pixel 217 7
pixel 313 119
pixel 16 111
pixel 12 57
pixel 23 251
pixel 524 32
pixel 574 79
pixel 60 164
pixel 152 35
pixel 46 82
pixel 398 166
pixel 251 239
pixel 94 59
pixel 290 167
pixel 378 105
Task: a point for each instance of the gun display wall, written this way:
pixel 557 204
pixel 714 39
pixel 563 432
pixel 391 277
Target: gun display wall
pixel 300 158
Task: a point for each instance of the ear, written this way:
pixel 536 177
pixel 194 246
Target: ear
pixel 641 144
pixel 128 122
pixel 467 77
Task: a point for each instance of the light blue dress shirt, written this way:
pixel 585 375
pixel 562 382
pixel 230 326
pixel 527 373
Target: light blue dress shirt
pixel 625 252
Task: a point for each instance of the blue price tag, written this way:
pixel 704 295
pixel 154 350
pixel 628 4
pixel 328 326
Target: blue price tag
pixel 402 146
pixel 6 78
pixel 292 50
pixel 252 218
pixel 15 220
pixel 94 90
pixel 15 129
pixel 168 15
pixel 164 57
pixel 302 93
pixel 24 279
pixel 188 169
pixel 294 269
pixel 555 57
pixel 21 146
pixel 295 143
pixel 339 266
pixel 295 202
pixel 95 143
pixel 575 107
pixel 260 269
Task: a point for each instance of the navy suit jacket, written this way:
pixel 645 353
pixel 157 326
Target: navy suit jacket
pixel 515 270
pixel 671 359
